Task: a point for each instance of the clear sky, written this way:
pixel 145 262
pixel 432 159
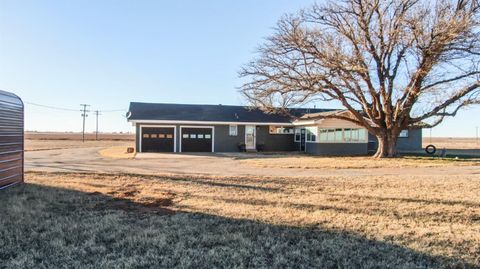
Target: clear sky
pixel 110 52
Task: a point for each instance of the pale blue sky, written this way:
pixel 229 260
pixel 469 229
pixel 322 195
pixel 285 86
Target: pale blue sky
pixel 110 52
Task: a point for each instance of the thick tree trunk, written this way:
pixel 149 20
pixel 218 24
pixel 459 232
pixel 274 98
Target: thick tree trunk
pixel 387 146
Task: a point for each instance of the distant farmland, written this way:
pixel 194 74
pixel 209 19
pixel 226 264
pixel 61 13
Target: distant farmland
pixel 50 140
pixel 439 142
pixel 78 136
pixel 451 142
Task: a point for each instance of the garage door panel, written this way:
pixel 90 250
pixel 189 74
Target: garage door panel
pixel 158 139
pixel 197 139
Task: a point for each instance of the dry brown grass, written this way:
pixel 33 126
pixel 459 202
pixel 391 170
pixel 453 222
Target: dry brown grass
pixel 332 222
pixel 319 162
pixel 117 152
pixel 34 145
pixel 451 142
pixel 78 136
pixel 48 140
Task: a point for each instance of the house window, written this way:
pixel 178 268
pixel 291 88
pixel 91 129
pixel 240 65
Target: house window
pixel 347 134
pixel 362 135
pixel 200 136
pixel 338 135
pixel 233 130
pixel 311 134
pixel 185 135
pixel 298 135
pixel 350 135
pixel 327 135
pixel 146 135
pixel 342 135
pixel 323 135
pixel 330 134
pixel 403 133
pixel 280 130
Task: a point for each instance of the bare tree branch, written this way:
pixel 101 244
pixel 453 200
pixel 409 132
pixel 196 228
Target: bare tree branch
pixel 391 64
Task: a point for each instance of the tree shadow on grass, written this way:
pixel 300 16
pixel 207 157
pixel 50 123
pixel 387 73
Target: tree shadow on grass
pixel 53 227
pixel 410 200
pixel 246 183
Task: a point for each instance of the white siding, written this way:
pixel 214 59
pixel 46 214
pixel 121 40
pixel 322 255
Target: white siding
pixel 337 123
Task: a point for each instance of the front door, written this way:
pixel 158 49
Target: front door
pixel 250 137
pixel 302 139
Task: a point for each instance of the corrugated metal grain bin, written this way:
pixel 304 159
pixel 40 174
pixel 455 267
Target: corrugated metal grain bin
pixel 11 139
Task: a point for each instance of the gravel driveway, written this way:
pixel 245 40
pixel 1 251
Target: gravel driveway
pixel 88 160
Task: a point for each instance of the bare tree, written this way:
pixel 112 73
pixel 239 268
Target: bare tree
pixel 394 65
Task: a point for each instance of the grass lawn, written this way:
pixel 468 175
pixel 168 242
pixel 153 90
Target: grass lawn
pixel 102 221
pixel 360 162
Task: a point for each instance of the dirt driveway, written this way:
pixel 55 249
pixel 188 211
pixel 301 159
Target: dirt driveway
pixel 88 160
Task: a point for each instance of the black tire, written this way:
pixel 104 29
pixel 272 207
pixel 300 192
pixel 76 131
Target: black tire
pixel 430 149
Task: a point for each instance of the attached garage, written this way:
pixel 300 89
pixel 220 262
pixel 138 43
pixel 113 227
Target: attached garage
pixel 158 139
pixel 11 139
pixel 196 139
pixel 225 128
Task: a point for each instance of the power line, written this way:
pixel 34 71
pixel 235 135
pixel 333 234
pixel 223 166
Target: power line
pixel 71 109
pixel 84 114
pixel 51 107
pixel 113 110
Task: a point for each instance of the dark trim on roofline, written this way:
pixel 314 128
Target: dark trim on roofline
pixel 209 122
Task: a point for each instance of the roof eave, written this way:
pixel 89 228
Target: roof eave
pixel 139 121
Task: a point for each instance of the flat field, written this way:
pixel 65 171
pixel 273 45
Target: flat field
pixel 237 210
pixel 452 142
pixel 78 136
pixel 34 145
pixel 102 220
pixel 49 141
pixel 298 161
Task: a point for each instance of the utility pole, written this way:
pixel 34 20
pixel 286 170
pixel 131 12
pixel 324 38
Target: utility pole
pixel 97 113
pixel 84 115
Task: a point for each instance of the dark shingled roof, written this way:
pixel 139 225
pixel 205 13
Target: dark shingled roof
pixel 217 113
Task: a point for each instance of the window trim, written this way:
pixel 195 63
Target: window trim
pixel 230 130
pixel 308 134
pixel 331 131
pixel 404 131
pixel 282 127
pixel 299 132
pixel 174 127
pixel 194 126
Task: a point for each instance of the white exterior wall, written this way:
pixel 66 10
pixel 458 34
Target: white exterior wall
pixel 336 123
pixel 334 147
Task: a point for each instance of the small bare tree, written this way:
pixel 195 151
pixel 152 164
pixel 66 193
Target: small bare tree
pixel 395 65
